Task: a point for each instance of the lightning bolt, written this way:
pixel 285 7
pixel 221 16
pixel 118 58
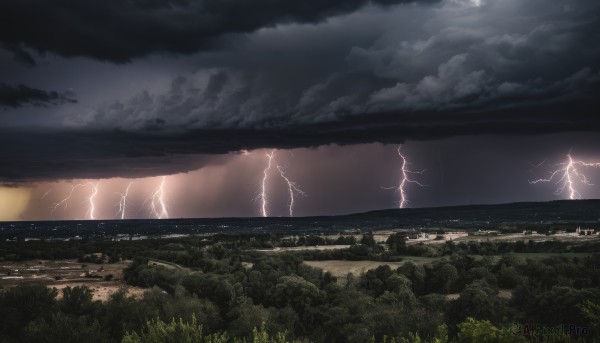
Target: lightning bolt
pixel 293 187
pixel 405 179
pixel 568 176
pixel 123 201
pixel 65 202
pixel 90 201
pixel 157 201
pixel 47 192
pixel 263 190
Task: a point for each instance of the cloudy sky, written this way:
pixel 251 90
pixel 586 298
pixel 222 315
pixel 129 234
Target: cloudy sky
pixel 483 96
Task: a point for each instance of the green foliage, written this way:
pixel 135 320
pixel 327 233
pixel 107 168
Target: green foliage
pixel 76 301
pixel 245 317
pixel 157 331
pixel 443 277
pixel 591 312
pixel 562 303
pixel 397 243
pixel 298 293
pixel 23 304
pixel 479 300
pixel 123 313
pixel 62 328
pixel 219 291
pixel 476 331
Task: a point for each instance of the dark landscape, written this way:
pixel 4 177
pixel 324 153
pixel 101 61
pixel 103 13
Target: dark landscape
pixel 565 215
pixel 315 171
pixel 411 275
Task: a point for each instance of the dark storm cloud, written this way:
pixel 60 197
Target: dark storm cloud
pixel 35 155
pixel 118 31
pixel 508 67
pixel 21 95
pixel 467 61
pixel 67 154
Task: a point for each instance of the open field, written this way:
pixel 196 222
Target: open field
pixel 103 290
pixel 539 256
pixel 514 237
pixel 340 268
pixel 102 279
pixel 301 248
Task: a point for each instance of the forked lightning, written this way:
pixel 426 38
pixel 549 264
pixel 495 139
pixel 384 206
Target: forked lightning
pixel 65 201
pixel 123 201
pixel 405 178
pixel 293 187
pixel 158 206
pixel 90 201
pixel 568 176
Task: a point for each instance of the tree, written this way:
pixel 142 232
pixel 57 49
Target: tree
pixel 62 328
pixel 298 293
pixel 123 313
pixel 374 280
pixel 157 331
pixel 479 300
pixel 416 274
pixel 481 273
pixel 22 304
pixel 475 331
pixel 397 243
pixel 509 277
pixel 591 311
pixel 245 317
pixel 562 303
pixel 444 277
pixel 76 301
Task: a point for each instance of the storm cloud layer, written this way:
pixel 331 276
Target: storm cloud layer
pixel 119 31
pixel 20 95
pixel 300 75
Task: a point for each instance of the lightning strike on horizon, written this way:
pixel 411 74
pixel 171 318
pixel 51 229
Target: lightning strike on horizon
pixel 65 201
pixel 263 190
pixel 90 201
pixel 292 186
pixel 570 175
pixel 404 179
pixel 46 193
pixel 123 201
pixel 292 189
pixel 158 206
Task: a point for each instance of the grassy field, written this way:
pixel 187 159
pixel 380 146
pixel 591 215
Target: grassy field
pixel 537 256
pixel 340 268
pixel 68 273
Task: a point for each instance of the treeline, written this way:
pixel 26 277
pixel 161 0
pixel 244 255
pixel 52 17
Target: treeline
pixel 126 249
pixel 225 292
pixel 287 300
pixel 412 300
pixel 396 247
pixel 365 248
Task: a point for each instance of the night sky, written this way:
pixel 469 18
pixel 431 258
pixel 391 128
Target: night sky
pixel 482 95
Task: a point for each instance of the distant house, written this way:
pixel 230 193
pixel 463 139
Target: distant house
pixel 586 232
